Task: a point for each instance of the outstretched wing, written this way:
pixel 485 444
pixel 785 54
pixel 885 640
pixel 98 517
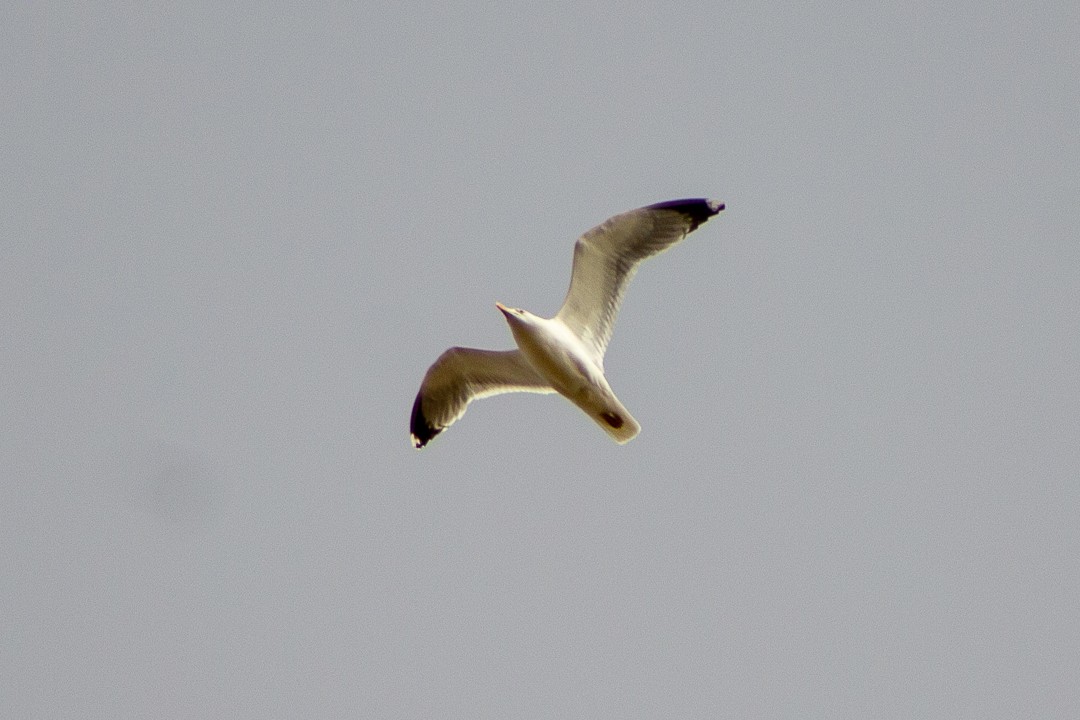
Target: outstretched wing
pixel 606 258
pixel 462 375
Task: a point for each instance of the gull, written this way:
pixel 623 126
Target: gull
pixel 563 354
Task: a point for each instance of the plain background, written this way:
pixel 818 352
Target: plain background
pixel 234 238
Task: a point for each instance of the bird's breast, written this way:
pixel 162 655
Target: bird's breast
pixel 560 357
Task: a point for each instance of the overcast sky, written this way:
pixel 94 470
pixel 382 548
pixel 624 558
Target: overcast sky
pixel 234 238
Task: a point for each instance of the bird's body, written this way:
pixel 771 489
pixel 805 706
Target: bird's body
pixel 559 356
pixel 563 354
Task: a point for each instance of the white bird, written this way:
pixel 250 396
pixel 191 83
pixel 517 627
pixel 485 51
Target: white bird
pixel 563 354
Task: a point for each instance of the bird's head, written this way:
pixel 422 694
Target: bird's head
pixel 516 316
pixel 509 312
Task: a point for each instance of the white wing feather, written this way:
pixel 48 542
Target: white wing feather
pixel 462 375
pixel 606 258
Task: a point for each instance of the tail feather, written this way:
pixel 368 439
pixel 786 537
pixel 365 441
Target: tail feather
pixel 615 420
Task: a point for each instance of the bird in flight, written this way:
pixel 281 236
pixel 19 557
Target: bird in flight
pixel 563 354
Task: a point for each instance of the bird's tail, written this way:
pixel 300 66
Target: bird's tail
pixel 616 420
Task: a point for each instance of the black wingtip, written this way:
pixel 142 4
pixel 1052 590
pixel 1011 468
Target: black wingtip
pixel 697 210
pixel 420 429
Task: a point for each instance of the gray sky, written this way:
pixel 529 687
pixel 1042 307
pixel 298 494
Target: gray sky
pixel 234 239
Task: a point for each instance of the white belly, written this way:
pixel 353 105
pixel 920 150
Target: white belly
pixel 558 355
